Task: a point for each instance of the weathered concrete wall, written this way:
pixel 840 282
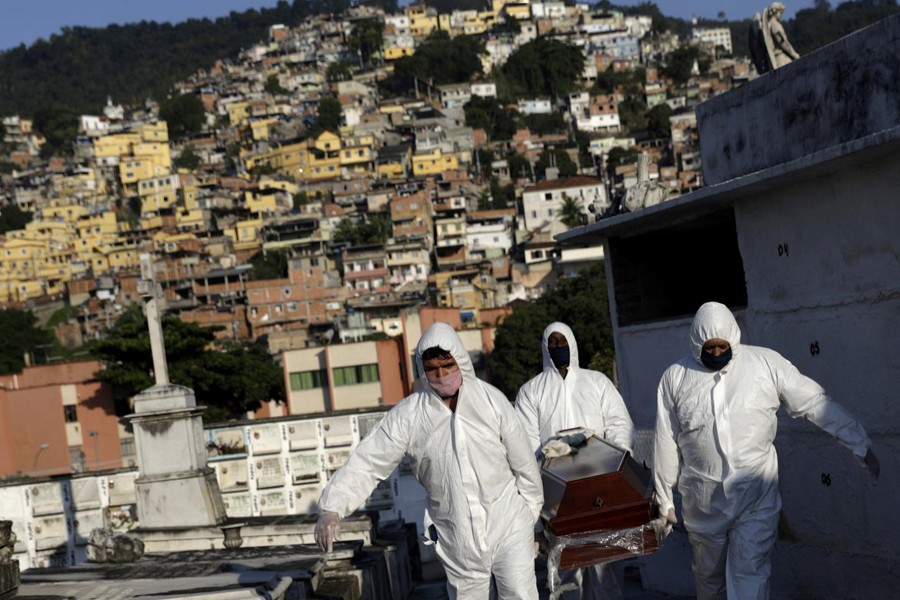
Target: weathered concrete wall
pixel 842 92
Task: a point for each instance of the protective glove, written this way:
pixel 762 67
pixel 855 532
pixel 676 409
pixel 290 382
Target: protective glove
pixel 555 449
pixel 328 530
pixel 662 525
pixel 870 463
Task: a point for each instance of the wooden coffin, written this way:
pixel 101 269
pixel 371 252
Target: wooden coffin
pixel 598 493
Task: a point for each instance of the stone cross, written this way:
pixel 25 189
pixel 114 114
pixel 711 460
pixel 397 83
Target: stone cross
pixel 152 294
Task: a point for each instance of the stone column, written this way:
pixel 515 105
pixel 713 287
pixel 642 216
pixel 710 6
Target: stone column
pixel 176 488
pixel 9 567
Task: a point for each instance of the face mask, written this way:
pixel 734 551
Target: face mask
pixel 447 385
pixel 715 362
pixel 559 356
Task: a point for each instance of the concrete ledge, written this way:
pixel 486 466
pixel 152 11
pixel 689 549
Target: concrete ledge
pixel 852 85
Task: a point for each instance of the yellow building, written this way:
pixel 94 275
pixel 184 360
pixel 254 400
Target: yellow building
pixel 151 221
pixel 158 193
pixel 423 20
pixel 245 234
pixel 392 53
pixel 259 128
pixel 109 148
pixel 190 219
pixel 171 243
pixel 433 163
pixel 84 184
pixel 238 112
pixel 286 160
pixel 122 256
pixel 66 212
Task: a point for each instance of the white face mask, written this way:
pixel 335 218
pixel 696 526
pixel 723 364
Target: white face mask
pixel 447 385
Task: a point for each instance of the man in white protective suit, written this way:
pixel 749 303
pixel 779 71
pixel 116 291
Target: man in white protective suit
pixel 565 396
pixel 716 420
pixel 467 448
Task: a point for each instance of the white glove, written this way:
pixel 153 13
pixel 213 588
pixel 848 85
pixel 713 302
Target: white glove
pixel 662 525
pixel 328 530
pixel 555 449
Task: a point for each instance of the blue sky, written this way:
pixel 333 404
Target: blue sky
pixel 26 21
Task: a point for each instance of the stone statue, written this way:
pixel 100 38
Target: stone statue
pixel 644 193
pixel 769 46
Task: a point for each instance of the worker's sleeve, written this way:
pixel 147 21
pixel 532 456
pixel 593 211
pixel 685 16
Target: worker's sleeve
pixel 521 458
pixel 617 425
pixel 803 397
pixel 666 456
pixel 373 460
pixel 527 410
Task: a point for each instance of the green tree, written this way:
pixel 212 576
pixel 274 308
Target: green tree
pixel 571 213
pixel 229 381
pixel 633 110
pixel 489 114
pixel 270 265
pixel 12 217
pixel 658 124
pixel 440 59
pixel 273 86
pixel 366 39
pixel 544 67
pixel 374 229
pixel 328 116
pixel 338 71
pixel 560 158
pixel 580 302
pixel 21 336
pixel 59 126
pixel 188 159
pixel 681 61
pixel 619 156
pixel 519 167
pixel 184 115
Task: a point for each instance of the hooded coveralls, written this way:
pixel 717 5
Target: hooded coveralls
pixel 547 404
pixel 722 424
pixel 483 487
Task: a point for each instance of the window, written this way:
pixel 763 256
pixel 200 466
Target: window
pixel 308 380
pixel 71 412
pixel 357 374
pixel 127 447
pixel 548 196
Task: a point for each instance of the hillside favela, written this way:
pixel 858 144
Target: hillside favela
pixel 376 301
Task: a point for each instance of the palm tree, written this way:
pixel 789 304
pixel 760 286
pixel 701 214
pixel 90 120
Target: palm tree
pixel 570 213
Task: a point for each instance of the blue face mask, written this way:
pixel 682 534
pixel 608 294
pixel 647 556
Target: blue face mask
pixel 716 363
pixel 559 356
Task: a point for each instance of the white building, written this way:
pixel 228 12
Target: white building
pixel 541 203
pixel 715 36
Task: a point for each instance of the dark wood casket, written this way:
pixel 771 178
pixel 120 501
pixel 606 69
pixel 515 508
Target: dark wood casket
pixel 598 504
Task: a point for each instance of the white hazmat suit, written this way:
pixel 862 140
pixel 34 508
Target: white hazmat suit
pixel 483 487
pixel 722 425
pixel 548 404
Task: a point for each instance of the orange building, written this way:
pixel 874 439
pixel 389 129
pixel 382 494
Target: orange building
pixel 58 419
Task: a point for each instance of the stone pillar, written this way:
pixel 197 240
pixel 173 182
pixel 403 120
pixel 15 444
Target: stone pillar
pixel 176 488
pixel 9 567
